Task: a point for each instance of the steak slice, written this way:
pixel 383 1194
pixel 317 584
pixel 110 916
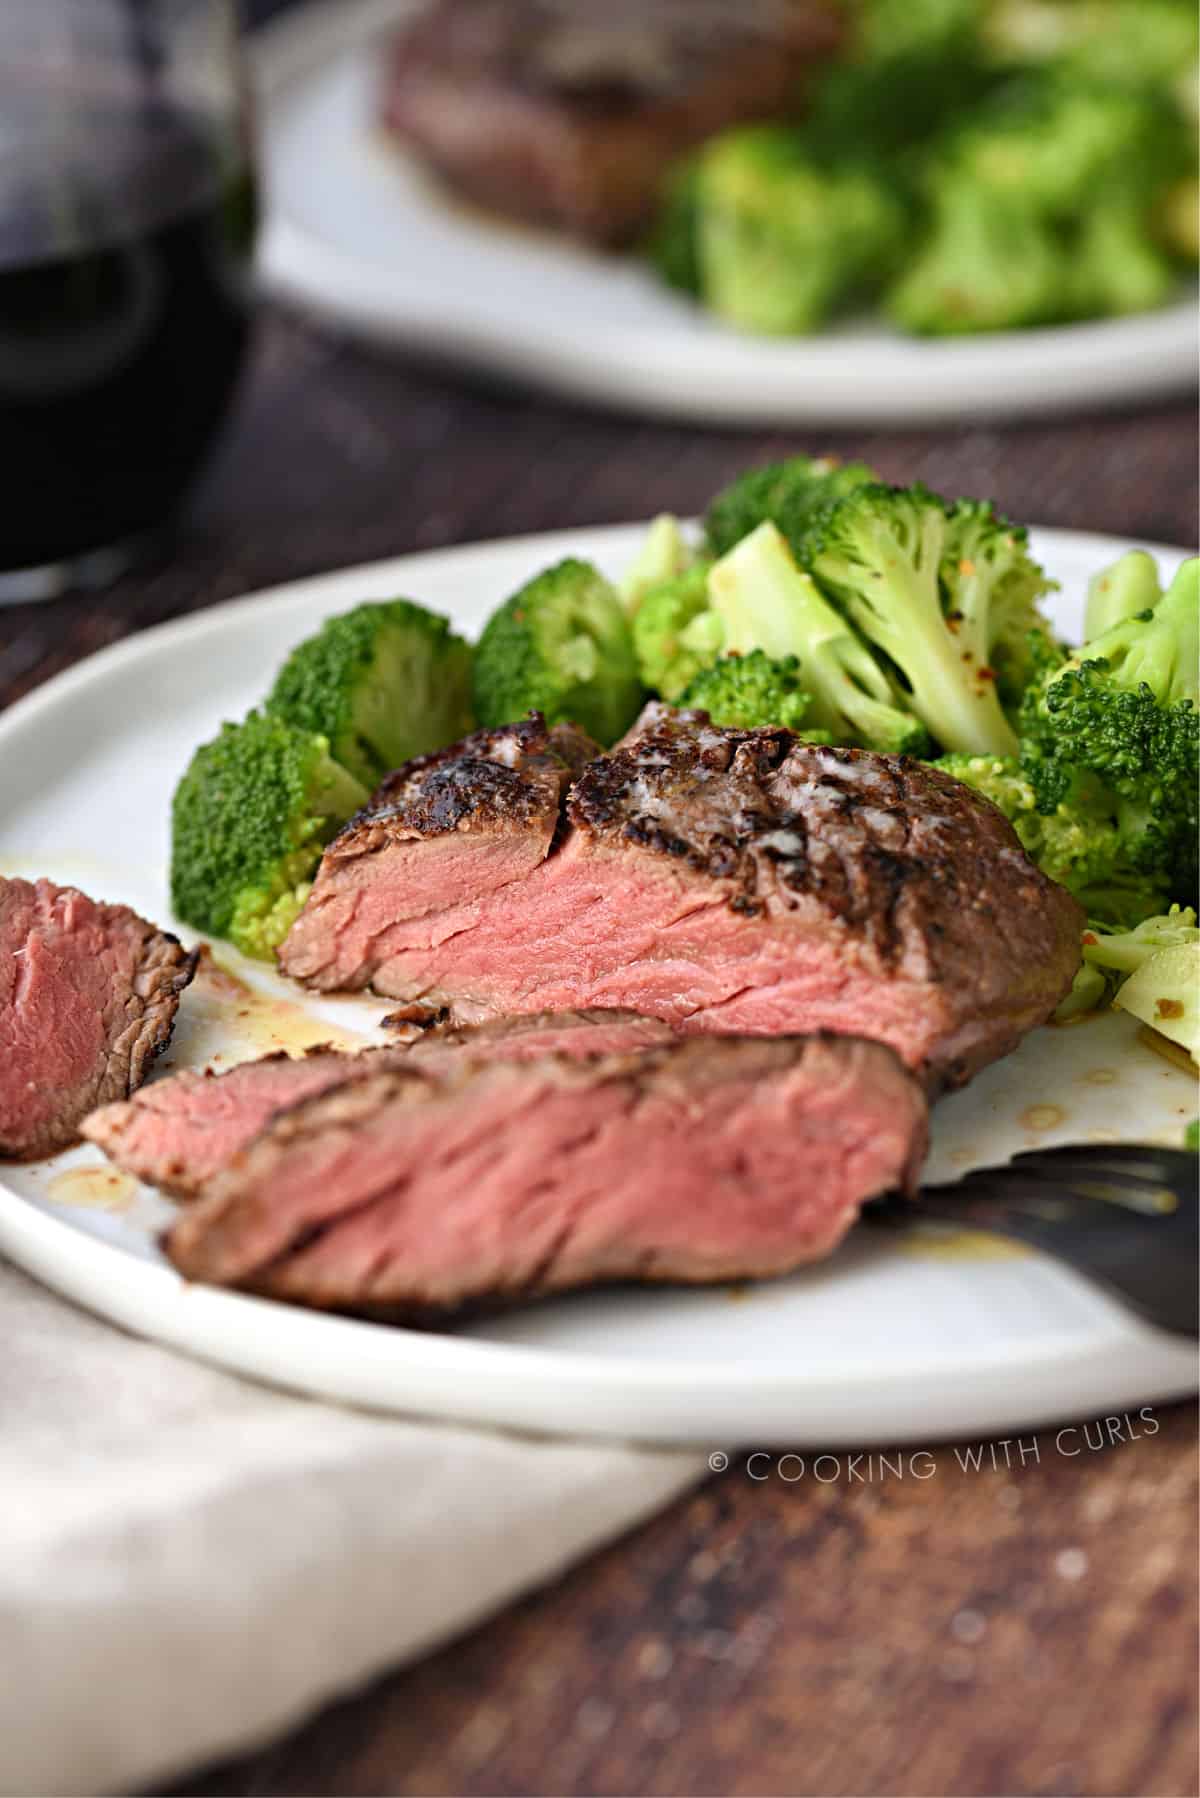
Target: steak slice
pixel 435 1186
pixel 737 881
pixel 88 996
pixel 569 115
pixel 177 1133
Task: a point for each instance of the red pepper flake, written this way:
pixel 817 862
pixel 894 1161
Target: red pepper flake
pixel 966 567
pixel 1168 1008
pixel 1089 936
pixel 986 673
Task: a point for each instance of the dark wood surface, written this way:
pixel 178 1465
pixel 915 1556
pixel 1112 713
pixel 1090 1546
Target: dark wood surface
pixel 1026 1630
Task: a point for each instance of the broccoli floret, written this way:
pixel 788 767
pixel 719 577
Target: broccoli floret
pixel 663 554
pixel 671 247
pixel 893 27
pixel 383 683
pixel 248 823
pixel 935 588
pixel 765 602
pixel 1079 844
pixel 1127 41
pixel 1117 267
pixel 560 646
pixel 988 570
pixel 1119 720
pixel 1131 585
pixel 1176 219
pixel 989 263
pixel 1165 993
pixel 676 633
pixel 744 692
pixel 782 238
pixel 790 494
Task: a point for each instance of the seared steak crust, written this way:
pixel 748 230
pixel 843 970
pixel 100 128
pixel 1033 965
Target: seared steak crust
pixel 890 847
pixel 88 996
pixel 460 1181
pixel 506 777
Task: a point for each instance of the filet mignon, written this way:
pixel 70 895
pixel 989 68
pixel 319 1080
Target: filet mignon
pixel 737 881
pixel 177 1133
pixel 88 995
pixel 569 115
pixel 431 1187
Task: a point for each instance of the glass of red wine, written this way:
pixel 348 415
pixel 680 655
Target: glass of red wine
pixel 127 218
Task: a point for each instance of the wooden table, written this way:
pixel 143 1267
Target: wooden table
pixel 1022 1630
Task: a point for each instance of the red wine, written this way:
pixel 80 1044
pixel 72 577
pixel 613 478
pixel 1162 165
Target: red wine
pixel 118 352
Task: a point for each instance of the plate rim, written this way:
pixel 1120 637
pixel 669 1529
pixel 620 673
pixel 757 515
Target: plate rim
pixel 112 1282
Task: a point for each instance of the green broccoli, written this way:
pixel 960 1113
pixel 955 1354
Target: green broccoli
pixel 1119 721
pixel 1078 844
pixel 937 589
pixel 1131 585
pixel 1123 952
pixel 663 554
pixel 744 692
pixel 1191 1136
pixel 765 602
pixel 671 247
pixel 383 683
pixel 560 646
pixel 675 631
pixel 1165 994
pixel 988 263
pixel 789 493
pixel 781 238
pixel 890 28
pixel 248 823
pixel 1117 266
pixel 1128 41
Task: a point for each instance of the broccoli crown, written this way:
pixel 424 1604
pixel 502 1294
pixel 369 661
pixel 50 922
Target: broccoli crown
pixel 1080 843
pixel 1129 586
pixel 783 237
pixel 1063 144
pixel 675 631
pixel 744 692
pixel 671 247
pixel 987 263
pixel 383 683
pixel 766 602
pixel 919 580
pixel 1139 42
pixel 664 553
pixel 989 571
pixel 1120 719
pixel 560 646
pixel 789 493
pixel 248 823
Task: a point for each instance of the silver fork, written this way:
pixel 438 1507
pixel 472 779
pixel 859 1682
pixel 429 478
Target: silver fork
pixel 1123 1214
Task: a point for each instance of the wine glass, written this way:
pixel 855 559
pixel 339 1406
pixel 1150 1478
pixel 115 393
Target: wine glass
pixel 127 220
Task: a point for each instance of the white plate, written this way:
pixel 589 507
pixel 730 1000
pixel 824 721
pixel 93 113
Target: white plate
pixel 892 1340
pixel 357 233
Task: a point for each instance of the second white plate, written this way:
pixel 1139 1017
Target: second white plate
pixel 357 233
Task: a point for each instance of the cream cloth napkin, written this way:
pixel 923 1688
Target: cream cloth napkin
pixel 190 1563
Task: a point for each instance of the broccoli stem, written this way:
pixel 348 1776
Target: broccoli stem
pixel 1129 586
pixel 767 603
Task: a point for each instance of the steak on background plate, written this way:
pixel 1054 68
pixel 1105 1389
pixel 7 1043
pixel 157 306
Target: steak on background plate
pixel 729 881
pixel 88 996
pixel 177 1133
pixel 567 114
pixel 463 1179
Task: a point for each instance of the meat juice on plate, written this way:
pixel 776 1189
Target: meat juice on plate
pixel 125 238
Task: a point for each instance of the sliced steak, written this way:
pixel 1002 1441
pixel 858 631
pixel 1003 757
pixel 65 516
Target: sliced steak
pixel 569 115
pixel 177 1133
pixel 88 995
pixel 436 1186
pixel 742 882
